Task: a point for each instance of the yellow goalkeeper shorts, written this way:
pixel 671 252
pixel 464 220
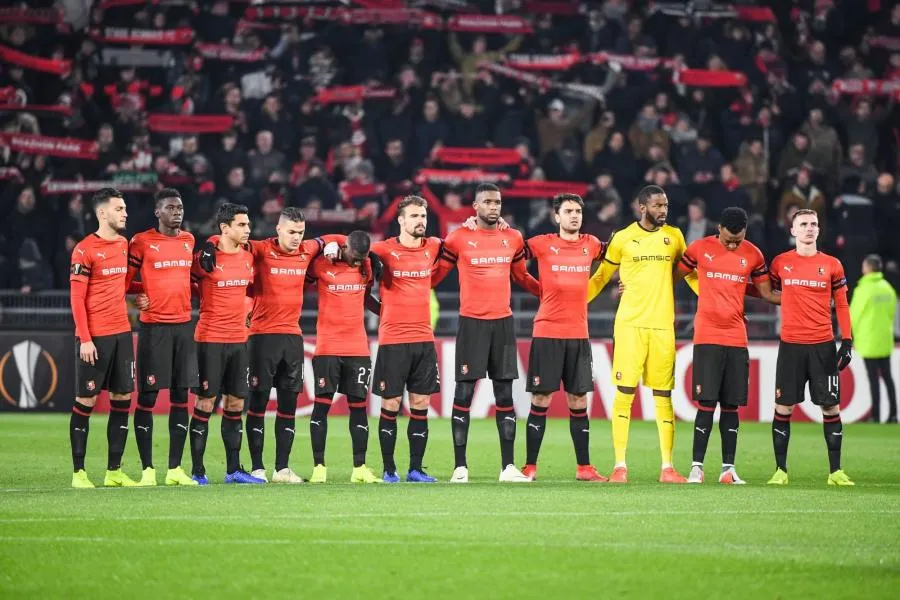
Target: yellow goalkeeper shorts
pixel 638 351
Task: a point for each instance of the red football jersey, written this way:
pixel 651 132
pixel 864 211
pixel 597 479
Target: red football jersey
pixel 278 285
pixel 564 267
pixel 406 290
pixel 164 264
pixel 487 259
pixel 103 266
pixel 723 277
pixel 223 295
pixel 340 326
pixel 807 285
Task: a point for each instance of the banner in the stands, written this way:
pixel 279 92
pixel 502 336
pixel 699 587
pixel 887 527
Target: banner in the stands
pixel 32 16
pixel 867 87
pixel 182 36
pixel 509 24
pixel 31 143
pixel 230 53
pixel 163 123
pixel 136 57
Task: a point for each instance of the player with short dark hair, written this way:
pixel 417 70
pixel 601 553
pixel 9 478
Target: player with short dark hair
pixel 406 356
pixel 223 272
pixel 725 265
pixel 488 258
pixel 98 279
pixel 342 363
pixel 809 281
pixel 167 354
pixel 646 254
pixel 561 348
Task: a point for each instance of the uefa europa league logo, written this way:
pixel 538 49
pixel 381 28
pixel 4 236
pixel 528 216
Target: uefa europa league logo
pixel 25 356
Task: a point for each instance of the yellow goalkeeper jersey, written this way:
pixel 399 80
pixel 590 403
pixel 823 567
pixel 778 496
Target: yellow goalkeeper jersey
pixel 646 262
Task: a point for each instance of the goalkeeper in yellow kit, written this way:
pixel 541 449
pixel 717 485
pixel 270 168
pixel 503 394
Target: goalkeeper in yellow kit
pixel 646 253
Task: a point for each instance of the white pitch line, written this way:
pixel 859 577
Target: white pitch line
pixel 438 515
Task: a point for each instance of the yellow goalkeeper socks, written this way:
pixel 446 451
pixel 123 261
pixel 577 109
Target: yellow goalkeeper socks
pixel 665 425
pixel 620 423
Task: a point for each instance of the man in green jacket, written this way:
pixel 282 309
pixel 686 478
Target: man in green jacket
pixel 872 311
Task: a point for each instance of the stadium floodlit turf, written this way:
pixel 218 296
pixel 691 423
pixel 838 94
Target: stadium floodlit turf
pixel 556 538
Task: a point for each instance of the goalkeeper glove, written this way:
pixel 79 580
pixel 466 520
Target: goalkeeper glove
pixel 844 354
pixel 208 257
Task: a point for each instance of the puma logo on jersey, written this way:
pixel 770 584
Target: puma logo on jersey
pixel 788 268
pixel 79 251
pixel 221 268
pixel 330 274
pixel 154 247
pixel 272 254
pixel 395 255
pixel 102 255
pixel 709 257
pixel 554 250
pixel 473 244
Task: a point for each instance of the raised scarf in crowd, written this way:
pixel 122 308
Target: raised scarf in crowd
pixel 348 94
pixel 32 16
pixel 182 36
pixel 166 123
pixel 35 63
pixel 229 53
pixel 488 157
pixel 867 87
pixel 30 143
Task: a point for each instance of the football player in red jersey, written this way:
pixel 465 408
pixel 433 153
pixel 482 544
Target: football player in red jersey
pixel 725 265
pixel 223 274
pixel 561 348
pixel 98 279
pixel 161 258
pixel 487 259
pixel 809 281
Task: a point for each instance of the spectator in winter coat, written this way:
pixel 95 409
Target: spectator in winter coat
pixel 887 217
pixel 469 62
pixel 794 157
pixel 265 160
pixel 557 126
pixel 861 126
pixel 803 194
pixel 726 192
pixel 646 131
pixel 430 130
pixel 825 150
pixel 695 225
pixel 857 166
pixel 753 172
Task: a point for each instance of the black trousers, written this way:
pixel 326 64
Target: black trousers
pixel 875 368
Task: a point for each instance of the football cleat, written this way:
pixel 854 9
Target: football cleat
pixel 419 476
pixel 460 475
pixel 619 475
pixel 839 478
pixel 530 471
pixel 285 475
pixel 696 474
pixel 781 478
pixel 177 476
pixel 513 475
pixel 670 475
pixel 80 480
pixel 118 479
pixel 319 474
pixel 363 474
pixel 730 476
pixel 259 474
pixel 148 478
pixel 589 473
pixel 200 479
pixel 388 477
pixel 242 476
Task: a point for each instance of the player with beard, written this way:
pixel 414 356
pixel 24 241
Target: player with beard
pixel 223 274
pixel 167 354
pixel 342 363
pixel 98 279
pixel 488 259
pixel 810 281
pixel 406 356
pixel 560 348
pixel 646 254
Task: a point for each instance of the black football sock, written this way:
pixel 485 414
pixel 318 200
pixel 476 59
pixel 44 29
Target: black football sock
pixel 417 434
pixel 143 427
pixel 256 427
pixel 834 434
pixel 359 429
pixel 232 438
pixel 580 428
pixel 285 423
pixel 117 432
pixel 318 429
pixel 534 433
pixel 729 423
pixel 387 438
pixel 702 428
pixel 79 426
pixel 781 436
pixel 199 433
pixel 459 420
pixel 505 417
pixel 178 425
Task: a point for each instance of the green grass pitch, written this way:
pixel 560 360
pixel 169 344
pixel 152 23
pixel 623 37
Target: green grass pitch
pixel 556 538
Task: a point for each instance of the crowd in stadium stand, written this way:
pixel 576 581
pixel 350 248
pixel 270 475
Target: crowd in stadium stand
pixel 340 108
